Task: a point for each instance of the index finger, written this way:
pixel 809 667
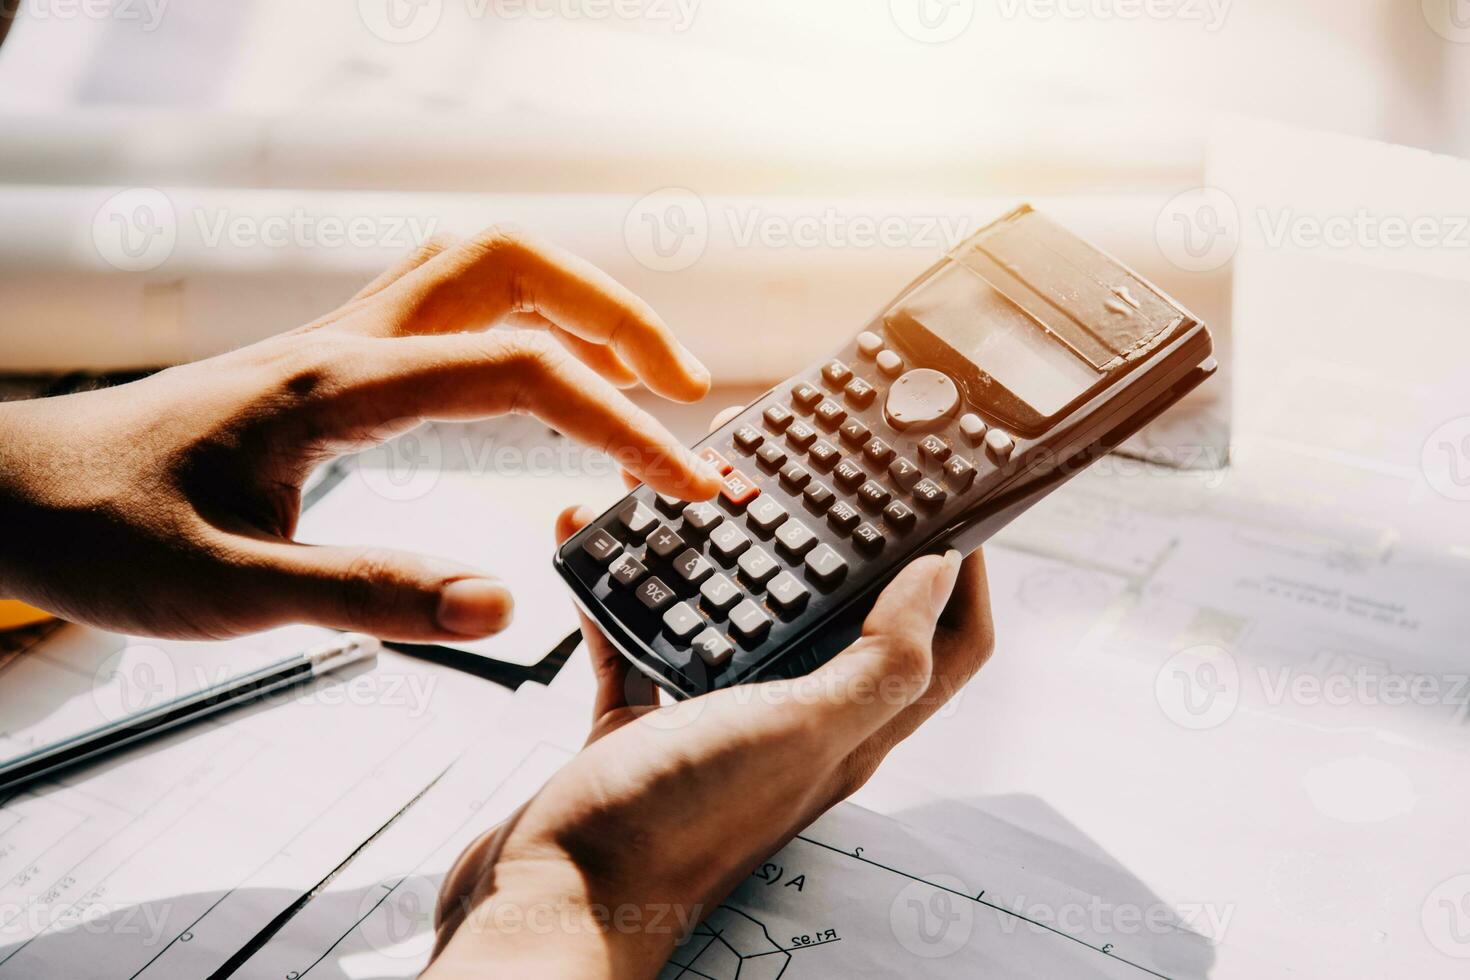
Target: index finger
pixel 504 271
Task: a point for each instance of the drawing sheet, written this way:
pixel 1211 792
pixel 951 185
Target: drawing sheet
pixel 166 860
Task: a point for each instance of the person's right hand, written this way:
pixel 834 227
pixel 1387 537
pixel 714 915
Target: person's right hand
pixel 168 506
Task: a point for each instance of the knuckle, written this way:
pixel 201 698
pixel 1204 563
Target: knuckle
pixel 502 239
pixel 910 659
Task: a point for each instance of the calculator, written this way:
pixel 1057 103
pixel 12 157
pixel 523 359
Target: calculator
pixel 1018 359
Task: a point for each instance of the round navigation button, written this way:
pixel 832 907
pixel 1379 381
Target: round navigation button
pixel 921 397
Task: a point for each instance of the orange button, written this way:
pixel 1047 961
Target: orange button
pixel 739 489
pixel 710 456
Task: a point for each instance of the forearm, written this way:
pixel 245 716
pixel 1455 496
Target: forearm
pixel 542 919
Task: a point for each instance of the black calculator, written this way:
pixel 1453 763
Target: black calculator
pixel 1009 366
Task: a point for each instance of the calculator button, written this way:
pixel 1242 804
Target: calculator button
pixel 628 571
pixel 637 519
pixel 972 427
pixel 869 344
pixel 748 438
pixel 728 541
pixel 713 648
pixel 934 448
pixel 771 456
pixel 854 433
pixel 878 451
pixel 844 516
pixel 826 565
pixel 929 494
pixel 672 506
pixel 777 417
pixel 794 475
pixel 665 543
pixel 875 496
pixel 739 489
pixel 836 374
pixel 900 516
pixel 719 593
pixel 869 539
pixel 960 473
pixel 860 393
pixel 830 414
pixel 712 456
pixel 805 395
pixel 999 443
pixel 824 454
pixel 787 593
pixel 682 621
pixel 921 397
pixel 757 566
pixel 795 537
pixel 766 513
pixel 602 546
pixel 749 621
pixel 890 363
pixel 700 517
pixel 800 434
pixel 819 496
pixel 849 475
pixel 904 473
pixel 692 567
pixel 654 594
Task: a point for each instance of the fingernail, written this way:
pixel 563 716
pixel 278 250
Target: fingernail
pixel 475 607
pixel 944 582
pixel 695 366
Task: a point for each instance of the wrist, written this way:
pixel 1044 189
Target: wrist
pixel 543 918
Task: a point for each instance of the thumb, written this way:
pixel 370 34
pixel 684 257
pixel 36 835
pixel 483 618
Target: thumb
pixel 393 595
pixel 885 671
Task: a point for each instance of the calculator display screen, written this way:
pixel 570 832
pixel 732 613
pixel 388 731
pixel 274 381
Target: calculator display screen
pixel 998 341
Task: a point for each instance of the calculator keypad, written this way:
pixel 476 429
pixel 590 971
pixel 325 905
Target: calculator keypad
pixel 817 484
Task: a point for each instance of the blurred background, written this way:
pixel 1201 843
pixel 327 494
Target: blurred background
pixel 797 128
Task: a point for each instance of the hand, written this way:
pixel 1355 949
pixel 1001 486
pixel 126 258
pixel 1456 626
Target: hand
pixel 667 809
pixel 167 506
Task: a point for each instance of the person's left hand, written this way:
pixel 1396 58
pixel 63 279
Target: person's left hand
pixel 668 808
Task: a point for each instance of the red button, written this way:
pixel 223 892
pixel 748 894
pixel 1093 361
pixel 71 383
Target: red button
pixel 739 489
pixel 710 456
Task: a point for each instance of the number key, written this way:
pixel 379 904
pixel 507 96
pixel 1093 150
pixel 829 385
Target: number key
pixel 719 593
pixel 765 513
pixel 787 593
pixel 757 565
pixel 713 648
pixel 728 541
pixel 749 621
pixel 692 567
pixel 795 537
pixel 826 565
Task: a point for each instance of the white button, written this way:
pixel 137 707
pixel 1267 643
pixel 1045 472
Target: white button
pixel 890 363
pixel 869 344
pixel 973 427
pixel 999 443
